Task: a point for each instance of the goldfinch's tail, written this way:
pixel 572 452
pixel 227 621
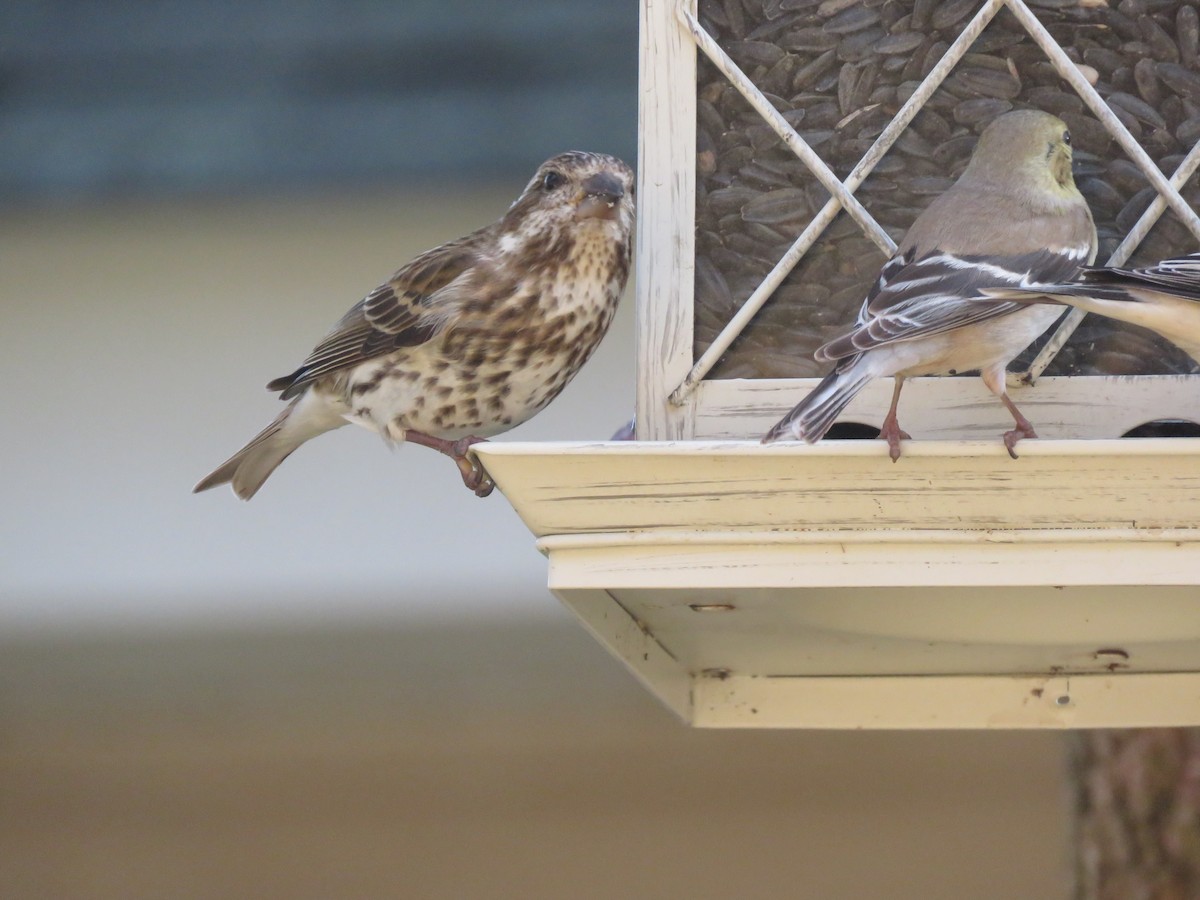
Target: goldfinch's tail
pixel 814 415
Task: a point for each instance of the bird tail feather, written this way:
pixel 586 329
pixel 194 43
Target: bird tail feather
pixel 247 469
pixel 816 413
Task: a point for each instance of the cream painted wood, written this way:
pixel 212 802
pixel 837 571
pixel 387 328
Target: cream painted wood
pixel 825 586
pixel 993 630
pixel 626 638
pixel 565 488
pixel 960 408
pixel 867 562
pixel 1094 701
pixel 665 267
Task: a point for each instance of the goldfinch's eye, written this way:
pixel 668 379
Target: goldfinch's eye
pixel 552 180
pixel 1066 137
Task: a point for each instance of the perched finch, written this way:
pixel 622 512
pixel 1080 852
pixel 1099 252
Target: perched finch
pixel 1014 217
pixel 1164 298
pixel 471 338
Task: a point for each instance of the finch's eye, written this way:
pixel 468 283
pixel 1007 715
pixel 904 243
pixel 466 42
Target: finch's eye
pixel 1066 137
pixel 552 180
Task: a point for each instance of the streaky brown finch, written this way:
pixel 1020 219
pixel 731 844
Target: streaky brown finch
pixel 471 338
pixel 1013 218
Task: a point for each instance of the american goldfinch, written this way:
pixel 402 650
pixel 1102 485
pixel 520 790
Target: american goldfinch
pixel 1013 218
pixel 1164 298
pixel 471 338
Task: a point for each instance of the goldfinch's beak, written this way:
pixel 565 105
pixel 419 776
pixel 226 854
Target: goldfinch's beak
pixel 599 197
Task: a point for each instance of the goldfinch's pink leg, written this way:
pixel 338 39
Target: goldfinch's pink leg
pixel 890 431
pixel 995 381
pixel 1023 430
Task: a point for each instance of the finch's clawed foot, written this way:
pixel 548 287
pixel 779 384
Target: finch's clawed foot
pixel 892 433
pixel 474 476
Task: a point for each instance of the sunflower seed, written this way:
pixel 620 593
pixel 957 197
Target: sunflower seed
pixel 1184 82
pixel 1146 79
pixel 774 207
pixel 730 199
pixel 922 10
pixel 974 113
pixel 860 45
pixel 754 53
pixel 809 40
pixel 1138 108
pixel 1187 32
pixel 955 150
pixel 833 7
pixel 1162 47
pixel 1100 194
pixel 947 14
pixel 1105 60
pixel 1132 210
pixel 855 18
pixel 1053 99
pixel 902 42
pixel 1087 133
pixel 990 83
pixel 1188 132
pixel 809 73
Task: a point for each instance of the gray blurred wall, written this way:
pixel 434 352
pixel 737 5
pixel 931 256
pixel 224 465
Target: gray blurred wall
pixel 121 96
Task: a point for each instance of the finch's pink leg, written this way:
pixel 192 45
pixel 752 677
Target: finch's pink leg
pixel 473 475
pixel 890 431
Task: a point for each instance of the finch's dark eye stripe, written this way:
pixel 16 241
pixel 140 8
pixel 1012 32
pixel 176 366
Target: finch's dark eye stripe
pixel 552 180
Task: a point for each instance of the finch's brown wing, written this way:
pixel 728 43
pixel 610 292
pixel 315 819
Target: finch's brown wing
pixel 410 308
pixel 920 297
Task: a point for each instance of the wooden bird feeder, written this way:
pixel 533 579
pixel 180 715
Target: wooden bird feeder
pixel 785 146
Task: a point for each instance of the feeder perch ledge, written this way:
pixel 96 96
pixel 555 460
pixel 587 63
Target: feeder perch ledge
pixel 823 586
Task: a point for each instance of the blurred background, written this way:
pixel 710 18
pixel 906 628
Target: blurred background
pixel 357 685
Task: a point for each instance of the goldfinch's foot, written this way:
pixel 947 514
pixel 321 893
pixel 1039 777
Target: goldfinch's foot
pixel 892 433
pixel 1011 437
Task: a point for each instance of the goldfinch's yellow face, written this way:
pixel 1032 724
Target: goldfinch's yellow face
pixel 1058 154
pixel 1029 145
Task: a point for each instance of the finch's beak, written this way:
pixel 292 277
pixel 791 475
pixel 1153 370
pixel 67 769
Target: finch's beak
pixel 600 195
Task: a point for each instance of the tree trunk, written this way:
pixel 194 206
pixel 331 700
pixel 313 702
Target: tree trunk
pixel 1137 814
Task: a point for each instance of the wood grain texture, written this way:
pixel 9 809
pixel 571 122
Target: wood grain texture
pixel 666 219
pixel 965 702
pixel 960 408
pixel 826 587
pixel 566 488
pixel 630 641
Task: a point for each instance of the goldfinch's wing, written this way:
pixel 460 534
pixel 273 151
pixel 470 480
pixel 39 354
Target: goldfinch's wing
pixel 1179 276
pixel 940 291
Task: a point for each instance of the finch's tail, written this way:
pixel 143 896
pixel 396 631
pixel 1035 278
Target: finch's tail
pixel 305 418
pixel 814 415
